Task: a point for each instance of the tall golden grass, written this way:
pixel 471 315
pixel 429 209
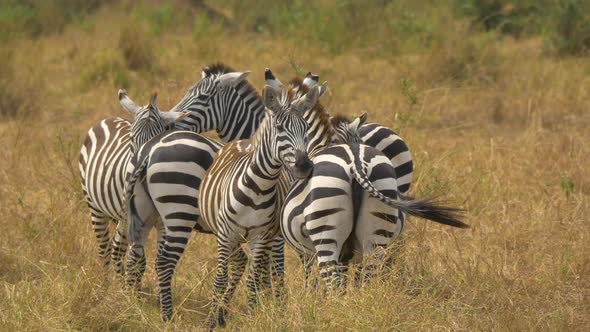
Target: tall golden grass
pixel 507 139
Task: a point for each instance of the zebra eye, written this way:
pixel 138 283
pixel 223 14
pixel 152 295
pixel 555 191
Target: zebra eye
pixel 279 126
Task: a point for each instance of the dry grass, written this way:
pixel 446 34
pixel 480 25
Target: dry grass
pixel 509 142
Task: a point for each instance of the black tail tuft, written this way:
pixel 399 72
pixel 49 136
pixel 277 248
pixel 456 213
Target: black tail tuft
pixel 434 211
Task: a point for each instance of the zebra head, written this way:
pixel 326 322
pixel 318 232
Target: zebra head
pixel 289 128
pixel 148 121
pixel 219 100
pixel 346 131
pixel 309 81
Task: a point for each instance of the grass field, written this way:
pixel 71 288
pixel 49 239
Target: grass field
pixel 497 124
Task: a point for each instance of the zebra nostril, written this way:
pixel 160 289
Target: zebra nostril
pixel 303 165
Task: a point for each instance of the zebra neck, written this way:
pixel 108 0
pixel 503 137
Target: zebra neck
pixel 201 118
pixel 240 122
pixel 263 162
pixel 319 133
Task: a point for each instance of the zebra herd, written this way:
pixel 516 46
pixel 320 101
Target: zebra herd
pixel 285 169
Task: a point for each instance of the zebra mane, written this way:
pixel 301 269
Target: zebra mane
pixel 339 119
pixel 217 68
pixel 298 89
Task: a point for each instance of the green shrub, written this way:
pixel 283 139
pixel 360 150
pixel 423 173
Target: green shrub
pixel 507 16
pixel 31 19
pixel 159 18
pixel 382 27
pixel 570 33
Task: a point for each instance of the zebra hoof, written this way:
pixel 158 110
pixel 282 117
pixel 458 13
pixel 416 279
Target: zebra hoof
pixel 215 320
pixel 166 315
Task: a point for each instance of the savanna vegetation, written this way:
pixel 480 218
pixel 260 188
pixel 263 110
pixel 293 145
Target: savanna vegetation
pixel 492 96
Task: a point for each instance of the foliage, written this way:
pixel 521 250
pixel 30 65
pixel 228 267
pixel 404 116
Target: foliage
pixel 35 18
pixel 507 16
pixel 571 28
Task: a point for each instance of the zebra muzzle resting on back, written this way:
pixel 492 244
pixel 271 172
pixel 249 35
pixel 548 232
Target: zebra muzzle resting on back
pixel 350 206
pixel 104 158
pixel 240 195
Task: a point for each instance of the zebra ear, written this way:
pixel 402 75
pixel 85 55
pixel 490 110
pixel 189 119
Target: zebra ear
pixel 355 125
pixel 271 79
pixel 270 99
pixel 310 99
pixel 232 79
pixel 126 103
pixel 154 101
pixel 323 88
pixel 171 117
pixel 311 80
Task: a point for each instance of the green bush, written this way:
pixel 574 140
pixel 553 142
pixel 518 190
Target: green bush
pixel 507 16
pixel 31 19
pixel 159 18
pixel 570 34
pixel 382 27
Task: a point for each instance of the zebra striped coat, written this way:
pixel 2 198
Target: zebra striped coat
pixel 241 197
pixel 103 160
pixel 105 154
pixel 338 213
pixel 173 166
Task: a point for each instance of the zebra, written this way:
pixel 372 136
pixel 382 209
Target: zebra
pixel 173 166
pixel 347 132
pixel 241 194
pixel 106 150
pixel 148 120
pixel 103 159
pixel 338 211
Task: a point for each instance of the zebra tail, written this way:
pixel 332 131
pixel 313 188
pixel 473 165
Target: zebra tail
pixel 421 208
pixel 135 223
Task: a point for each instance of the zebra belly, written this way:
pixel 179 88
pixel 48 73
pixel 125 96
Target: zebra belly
pixel 250 224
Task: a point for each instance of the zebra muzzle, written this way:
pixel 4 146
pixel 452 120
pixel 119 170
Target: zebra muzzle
pixel 303 165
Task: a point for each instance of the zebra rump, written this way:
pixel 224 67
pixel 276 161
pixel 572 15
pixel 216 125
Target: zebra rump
pixel 135 224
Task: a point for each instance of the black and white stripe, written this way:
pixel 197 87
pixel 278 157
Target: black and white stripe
pixel 173 166
pixel 175 154
pixel 350 206
pixel 240 195
pixel 104 158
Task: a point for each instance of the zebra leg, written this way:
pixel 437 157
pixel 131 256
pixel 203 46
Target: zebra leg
pixel 278 266
pixel 226 248
pixel 100 225
pixel 135 266
pixel 329 271
pixel 307 262
pixel 176 239
pixel 120 245
pixel 136 262
pixel 258 275
pixel 237 266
